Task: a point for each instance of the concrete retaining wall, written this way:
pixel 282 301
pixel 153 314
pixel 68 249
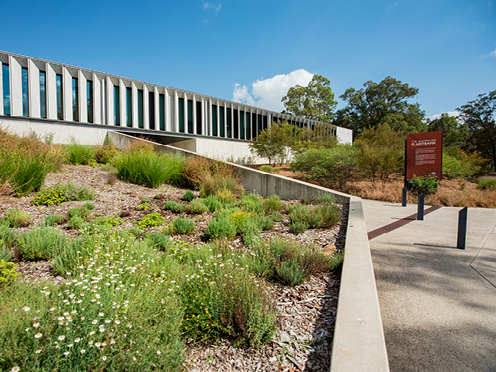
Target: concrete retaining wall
pixel 358 342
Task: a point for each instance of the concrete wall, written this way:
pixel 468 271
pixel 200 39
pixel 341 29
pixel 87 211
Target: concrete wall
pixel 358 342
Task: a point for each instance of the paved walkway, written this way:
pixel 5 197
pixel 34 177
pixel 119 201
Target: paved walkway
pixel 438 303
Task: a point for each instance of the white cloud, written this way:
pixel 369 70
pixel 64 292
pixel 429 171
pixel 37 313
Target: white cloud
pixel 216 8
pixel 267 93
pixel 450 113
pixel 493 53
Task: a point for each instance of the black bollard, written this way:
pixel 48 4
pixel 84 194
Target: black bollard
pixel 420 207
pixel 462 228
pixel 403 197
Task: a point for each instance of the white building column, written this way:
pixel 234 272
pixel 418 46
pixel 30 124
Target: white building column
pixel 34 90
pixel 156 106
pixel 109 86
pixel 168 114
pixel 83 97
pixel 210 117
pixel 15 87
pixel 67 93
pixel 134 103
pixel 51 92
pixel 185 112
pixel 1 88
pixel 98 100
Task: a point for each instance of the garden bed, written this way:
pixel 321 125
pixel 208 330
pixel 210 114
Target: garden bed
pixel 305 312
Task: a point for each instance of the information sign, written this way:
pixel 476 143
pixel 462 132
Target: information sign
pixel 424 155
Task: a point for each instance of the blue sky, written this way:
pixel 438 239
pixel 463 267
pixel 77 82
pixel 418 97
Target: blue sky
pixel 252 50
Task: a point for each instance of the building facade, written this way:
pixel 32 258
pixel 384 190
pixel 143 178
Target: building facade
pixel 70 101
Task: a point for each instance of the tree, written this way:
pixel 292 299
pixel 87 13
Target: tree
pixel 479 116
pixel 275 142
pixel 384 102
pixel 454 133
pixel 315 101
pixel 380 151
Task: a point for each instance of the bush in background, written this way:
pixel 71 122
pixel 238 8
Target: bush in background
pixel 486 183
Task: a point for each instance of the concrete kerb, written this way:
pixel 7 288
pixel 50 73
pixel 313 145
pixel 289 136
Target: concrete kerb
pixel 358 342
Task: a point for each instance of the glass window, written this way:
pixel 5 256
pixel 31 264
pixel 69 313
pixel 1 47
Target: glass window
pixel 129 107
pixel 161 110
pixel 140 109
pixel 253 125
pixel 89 99
pixel 242 124
pixel 198 117
pixel 248 127
pixel 181 114
pixel 172 110
pixel 75 99
pixel 236 124
pixel 259 124
pixel 60 97
pixel 117 106
pixel 25 92
pixel 229 123
pixel 151 110
pixel 6 89
pixel 190 116
pixel 264 122
pixel 221 122
pixel 214 120
pixel 43 98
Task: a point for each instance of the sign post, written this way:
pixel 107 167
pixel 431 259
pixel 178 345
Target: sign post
pixel 424 155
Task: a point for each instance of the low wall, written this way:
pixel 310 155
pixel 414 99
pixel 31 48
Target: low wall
pixel 358 342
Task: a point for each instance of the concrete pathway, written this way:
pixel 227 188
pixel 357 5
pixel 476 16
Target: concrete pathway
pixel 438 303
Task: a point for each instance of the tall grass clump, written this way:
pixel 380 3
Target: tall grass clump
pixel 17 218
pixel 26 161
pixel 149 168
pixel 79 154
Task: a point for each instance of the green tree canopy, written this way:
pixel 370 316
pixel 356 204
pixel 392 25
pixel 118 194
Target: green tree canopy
pixel 315 101
pixel 479 116
pixel 454 133
pixel 384 102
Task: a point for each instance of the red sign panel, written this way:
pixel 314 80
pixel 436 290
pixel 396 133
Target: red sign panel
pixel 424 155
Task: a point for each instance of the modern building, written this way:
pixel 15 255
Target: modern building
pixel 77 103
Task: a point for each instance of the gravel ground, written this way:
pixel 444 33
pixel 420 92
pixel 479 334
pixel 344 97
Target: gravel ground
pixel 306 313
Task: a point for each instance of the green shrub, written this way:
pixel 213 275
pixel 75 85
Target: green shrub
pixel 89 206
pixel 331 214
pixel 222 183
pixel 53 219
pixel 306 215
pixel 17 218
pixel 252 203
pixel 486 183
pixel 324 199
pixel 221 228
pixel 149 168
pixel 105 153
pixel 108 221
pixel 82 212
pixel 188 196
pixel 62 193
pixel 277 217
pixel 332 167
pixel 79 154
pixel 263 222
pixel 143 207
pixel 291 272
pixel 8 273
pixel 160 241
pixel 273 204
pixel 423 185
pixel 75 223
pixel 182 226
pixel 298 227
pixel 5 253
pixel 8 236
pixel 225 196
pixel 173 206
pixel 266 168
pixel 152 219
pixel 197 206
pixel 212 203
pixel 42 243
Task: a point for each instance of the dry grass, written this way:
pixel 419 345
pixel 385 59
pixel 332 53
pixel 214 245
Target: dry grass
pixel 452 193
